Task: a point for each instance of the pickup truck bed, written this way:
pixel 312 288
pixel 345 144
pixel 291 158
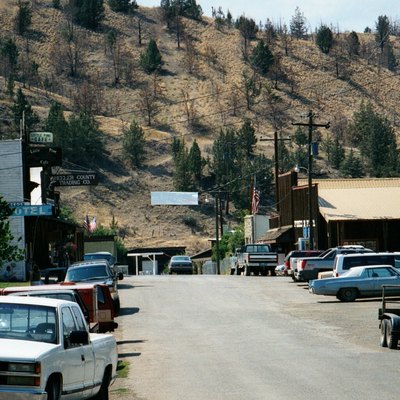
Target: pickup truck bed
pixel 256 259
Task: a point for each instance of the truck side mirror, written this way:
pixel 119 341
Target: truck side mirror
pixel 78 337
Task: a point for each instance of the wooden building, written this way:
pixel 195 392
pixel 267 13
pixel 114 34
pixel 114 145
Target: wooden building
pixel 344 211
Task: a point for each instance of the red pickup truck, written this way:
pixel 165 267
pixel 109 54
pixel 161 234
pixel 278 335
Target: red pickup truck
pixel 94 299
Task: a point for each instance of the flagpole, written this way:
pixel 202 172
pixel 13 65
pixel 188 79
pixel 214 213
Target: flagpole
pixel 253 228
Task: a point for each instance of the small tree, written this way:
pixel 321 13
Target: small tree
pixel 262 58
pixel 324 39
pixel 247 138
pixel 353 44
pixel 8 57
pixel 335 152
pixel 88 13
pixel 8 251
pixel 183 179
pixel 298 24
pixel 352 166
pixel 22 111
pixel 23 18
pixel 84 139
pixel 133 144
pixel 196 161
pixel 124 6
pixel 382 31
pixel 57 124
pixel 151 59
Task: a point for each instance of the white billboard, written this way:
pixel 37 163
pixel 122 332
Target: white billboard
pixel 174 198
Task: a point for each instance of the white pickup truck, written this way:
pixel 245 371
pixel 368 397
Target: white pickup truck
pixel 48 353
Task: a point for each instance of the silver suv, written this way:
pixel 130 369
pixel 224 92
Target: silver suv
pixel 344 262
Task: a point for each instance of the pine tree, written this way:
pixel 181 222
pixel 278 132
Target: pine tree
pixel 390 57
pixel 57 124
pixel 336 153
pixel 262 58
pixel 88 13
pixel 9 57
pixel 183 180
pixel 124 6
pixel 352 166
pixel 151 59
pixel 196 161
pixel 382 31
pixel 84 139
pixel 22 111
pixel 8 252
pixel 133 144
pixel 298 24
pixel 247 139
pixel 324 39
pixel 353 44
pixel 24 17
pixel 375 138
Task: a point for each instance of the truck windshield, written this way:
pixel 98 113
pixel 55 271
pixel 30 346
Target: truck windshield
pixel 28 322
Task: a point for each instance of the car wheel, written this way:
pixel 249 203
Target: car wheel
pixel 117 306
pixel 391 338
pixel 53 389
pixel 247 270
pixel 103 392
pixel 348 294
pixel 383 333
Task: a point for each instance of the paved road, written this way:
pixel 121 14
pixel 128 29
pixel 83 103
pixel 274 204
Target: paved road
pixel 253 338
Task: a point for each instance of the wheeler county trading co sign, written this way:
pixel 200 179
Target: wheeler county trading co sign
pixel 80 179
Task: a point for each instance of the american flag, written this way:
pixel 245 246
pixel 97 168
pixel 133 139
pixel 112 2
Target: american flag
pixel 93 225
pixel 86 223
pixel 90 226
pixel 255 200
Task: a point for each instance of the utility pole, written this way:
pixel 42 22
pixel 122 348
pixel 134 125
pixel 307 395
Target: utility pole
pixel 217 232
pixel 310 125
pixel 276 156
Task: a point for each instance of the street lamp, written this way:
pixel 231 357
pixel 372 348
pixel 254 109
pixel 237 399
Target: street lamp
pixel 310 219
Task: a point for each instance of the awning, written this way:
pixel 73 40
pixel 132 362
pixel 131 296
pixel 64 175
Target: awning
pixel 283 234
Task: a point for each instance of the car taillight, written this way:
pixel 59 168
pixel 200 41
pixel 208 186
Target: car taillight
pixel 303 264
pixel 337 274
pixel 287 264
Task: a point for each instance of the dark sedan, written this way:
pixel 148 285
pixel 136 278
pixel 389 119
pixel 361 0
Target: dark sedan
pixel 358 282
pixel 180 264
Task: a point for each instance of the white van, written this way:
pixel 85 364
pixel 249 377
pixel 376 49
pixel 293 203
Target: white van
pixel 344 262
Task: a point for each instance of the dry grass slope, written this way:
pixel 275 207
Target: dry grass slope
pixel 214 86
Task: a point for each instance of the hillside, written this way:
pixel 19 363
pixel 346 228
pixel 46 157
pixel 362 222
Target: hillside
pixel 198 93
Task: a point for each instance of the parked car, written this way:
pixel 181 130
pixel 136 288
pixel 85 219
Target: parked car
pixel 100 255
pixel 281 270
pixel 358 282
pixel 291 259
pixel 96 272
pixel 309 268
pixel 256 259
pixel 48 352
pixel 180 264
pixel 346 261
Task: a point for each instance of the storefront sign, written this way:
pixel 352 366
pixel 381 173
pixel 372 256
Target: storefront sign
pixel 75 179
pixel 32 210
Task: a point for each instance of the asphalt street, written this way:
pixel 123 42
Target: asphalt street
pixel 236 337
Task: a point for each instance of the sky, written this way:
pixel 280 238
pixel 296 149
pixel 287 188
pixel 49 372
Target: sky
pixel 346 15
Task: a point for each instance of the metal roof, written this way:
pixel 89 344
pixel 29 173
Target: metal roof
pixel 358 199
